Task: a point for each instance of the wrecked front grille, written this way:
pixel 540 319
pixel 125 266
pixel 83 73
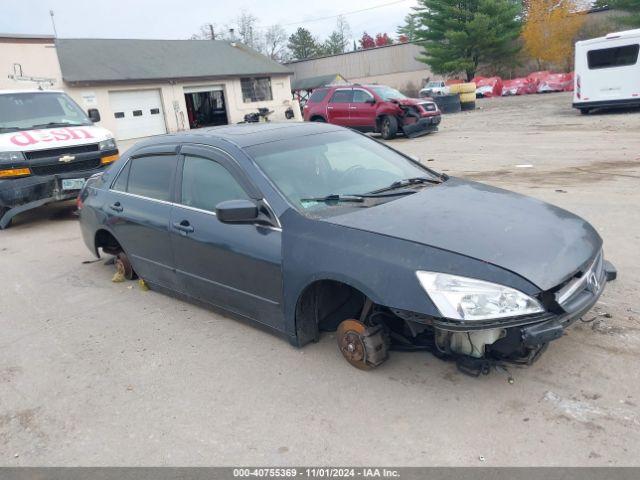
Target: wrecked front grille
pixel 589 282
pixel 429 107
pixel 55 168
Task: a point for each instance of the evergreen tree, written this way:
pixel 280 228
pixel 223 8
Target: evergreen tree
pixel 631 7
pixel 409 28
pixel 303 45
pixel 460 35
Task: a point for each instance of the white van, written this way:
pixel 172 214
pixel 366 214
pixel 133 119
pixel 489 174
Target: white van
pixel 48 147
pixel 607 71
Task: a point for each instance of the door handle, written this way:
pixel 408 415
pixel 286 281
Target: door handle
pixel 116 207
pixel 329 108
pixel 184 226
pixel 353 108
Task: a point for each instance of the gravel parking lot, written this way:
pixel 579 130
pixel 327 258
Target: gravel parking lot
pixel 100 373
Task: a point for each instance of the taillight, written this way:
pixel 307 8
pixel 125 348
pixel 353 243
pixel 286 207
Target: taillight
pixel 79 203
pixel 578 86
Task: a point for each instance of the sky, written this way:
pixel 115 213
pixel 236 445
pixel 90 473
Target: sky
pixel 179 19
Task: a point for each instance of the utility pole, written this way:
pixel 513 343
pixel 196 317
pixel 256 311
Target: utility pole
pixel 55 33
pixel 213 35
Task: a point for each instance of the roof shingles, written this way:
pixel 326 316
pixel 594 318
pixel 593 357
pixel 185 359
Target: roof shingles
pixel 102 60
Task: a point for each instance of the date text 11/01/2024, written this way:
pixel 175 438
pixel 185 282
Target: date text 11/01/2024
pixel 319 472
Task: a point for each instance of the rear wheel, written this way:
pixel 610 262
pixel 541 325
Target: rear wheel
pixel 389 127
pixel 123 267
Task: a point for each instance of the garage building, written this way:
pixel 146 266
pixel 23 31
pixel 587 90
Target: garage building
pixel 150 87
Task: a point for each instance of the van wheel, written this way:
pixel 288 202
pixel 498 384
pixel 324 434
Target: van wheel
pixel 4 210
pixel 585 111
pixel 389 127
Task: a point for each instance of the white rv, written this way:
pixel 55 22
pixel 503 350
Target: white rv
pixel 607 71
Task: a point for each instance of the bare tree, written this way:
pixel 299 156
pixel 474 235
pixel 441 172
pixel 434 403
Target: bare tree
pixel 275 43
pixel 247 29
pixel 343 31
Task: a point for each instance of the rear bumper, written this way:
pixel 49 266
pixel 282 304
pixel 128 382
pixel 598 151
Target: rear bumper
pixel 22 194
pixel 423 126
pixel 626 102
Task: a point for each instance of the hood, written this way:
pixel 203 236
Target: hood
pixel 540 242
pixel 412 101
pixel 41 139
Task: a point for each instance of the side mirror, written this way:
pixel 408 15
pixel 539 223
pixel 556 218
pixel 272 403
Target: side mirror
pixel 94 115
pixel 237 211
pixel 372 101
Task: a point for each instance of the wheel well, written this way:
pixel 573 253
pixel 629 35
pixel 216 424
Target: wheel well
pixel 323 305
pixel 107 242
pixel 317 117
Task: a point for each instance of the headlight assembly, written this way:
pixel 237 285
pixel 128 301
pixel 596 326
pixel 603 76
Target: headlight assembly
pixel 108 144
pixel 462 298
pixel 12 157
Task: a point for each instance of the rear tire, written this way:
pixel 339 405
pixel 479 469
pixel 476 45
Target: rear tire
pixel 124 267
pixel 388 127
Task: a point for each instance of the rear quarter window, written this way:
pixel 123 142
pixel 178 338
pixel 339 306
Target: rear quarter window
pixel 613 57
pixel 318 95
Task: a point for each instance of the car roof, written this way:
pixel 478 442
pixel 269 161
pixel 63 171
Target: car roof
pixel 247 134
pixel 8 92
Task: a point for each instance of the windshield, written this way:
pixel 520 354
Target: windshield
pixel 433 84
pixel 32 110
pixel 388 93
pixel 334 163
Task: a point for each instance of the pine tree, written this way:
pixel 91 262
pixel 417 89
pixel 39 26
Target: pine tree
pixel 303 45
pixel 460 35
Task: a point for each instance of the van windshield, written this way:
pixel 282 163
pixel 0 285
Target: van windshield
pixel 34 110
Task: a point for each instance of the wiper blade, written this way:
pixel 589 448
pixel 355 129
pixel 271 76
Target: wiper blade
pixel 405 183
pixel 335 198
pixel 360 197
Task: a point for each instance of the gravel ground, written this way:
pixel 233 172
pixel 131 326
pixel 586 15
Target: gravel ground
pixel 101 373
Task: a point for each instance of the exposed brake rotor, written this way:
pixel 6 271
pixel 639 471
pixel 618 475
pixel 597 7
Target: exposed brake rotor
pixel 362 347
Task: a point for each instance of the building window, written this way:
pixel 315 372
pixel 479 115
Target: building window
pixel 119 114
pixel 256 89
pixel 137 113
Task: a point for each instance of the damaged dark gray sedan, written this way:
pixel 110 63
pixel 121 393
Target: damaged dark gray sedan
pixel 310 227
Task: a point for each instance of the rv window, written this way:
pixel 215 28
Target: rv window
pixel 613 57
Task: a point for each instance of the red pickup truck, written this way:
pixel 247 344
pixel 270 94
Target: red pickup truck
pixel 373 108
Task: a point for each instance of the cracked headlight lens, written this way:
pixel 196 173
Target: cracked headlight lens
pixel 463 298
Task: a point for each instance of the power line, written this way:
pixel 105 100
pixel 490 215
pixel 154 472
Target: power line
pixel 319 19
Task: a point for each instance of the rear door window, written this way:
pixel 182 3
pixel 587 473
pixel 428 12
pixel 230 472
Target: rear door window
pixel 151 176
pixel 613 57
pixel 206 183
pixel 342 96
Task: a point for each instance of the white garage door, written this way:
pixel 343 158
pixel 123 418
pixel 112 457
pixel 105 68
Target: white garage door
pixel 138 113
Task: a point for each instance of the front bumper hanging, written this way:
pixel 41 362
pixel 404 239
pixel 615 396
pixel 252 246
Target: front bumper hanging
pixel 21 194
